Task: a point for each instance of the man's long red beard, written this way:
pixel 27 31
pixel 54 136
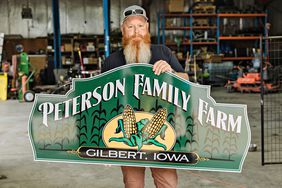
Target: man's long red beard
pixel 137 49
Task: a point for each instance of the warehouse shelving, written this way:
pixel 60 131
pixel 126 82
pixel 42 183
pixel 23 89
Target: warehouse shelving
pixel 72 44
pixel 239 37
pixel 66 53
pixel 252 39
pixel 89 56
pixel 189 43
pixel 57 34
pixel 188 28
pixel 240 15
pixel 237 58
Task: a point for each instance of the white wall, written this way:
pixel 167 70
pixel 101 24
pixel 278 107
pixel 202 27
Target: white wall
pixel 12 23
pixel 117 7
pixel 76 16
pixel 85 16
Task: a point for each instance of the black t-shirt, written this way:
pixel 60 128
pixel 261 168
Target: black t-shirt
pixel 159 52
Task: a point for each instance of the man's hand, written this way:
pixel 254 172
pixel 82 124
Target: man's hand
pixel 161 66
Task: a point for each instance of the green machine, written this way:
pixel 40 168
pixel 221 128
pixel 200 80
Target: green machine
pixel 24 79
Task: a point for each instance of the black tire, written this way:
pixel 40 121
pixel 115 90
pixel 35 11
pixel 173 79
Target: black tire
pixel 29 96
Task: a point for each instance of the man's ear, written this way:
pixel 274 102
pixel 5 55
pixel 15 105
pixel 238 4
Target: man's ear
pixel 147 25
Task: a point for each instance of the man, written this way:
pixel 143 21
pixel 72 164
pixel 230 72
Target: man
pixel 137 48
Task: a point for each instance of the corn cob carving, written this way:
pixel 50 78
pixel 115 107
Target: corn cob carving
pixel 129 122
pixel 154 126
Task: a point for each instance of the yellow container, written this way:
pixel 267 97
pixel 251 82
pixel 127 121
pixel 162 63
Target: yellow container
pixel 3 86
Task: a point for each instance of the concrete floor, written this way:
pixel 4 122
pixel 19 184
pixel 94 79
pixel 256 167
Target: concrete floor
pixel 18 169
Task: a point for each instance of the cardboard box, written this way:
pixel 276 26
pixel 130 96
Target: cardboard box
pixel 92 60
pixel 68 47
pixel 202 21
pixel 85 60
pixel 90 48
pixel 38 63
pixel 176 6
pixel 66 61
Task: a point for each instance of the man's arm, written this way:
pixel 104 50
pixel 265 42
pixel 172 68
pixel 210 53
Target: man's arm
pixel 171 64
pixel 105 65
pixel 116 59
pixel 173 61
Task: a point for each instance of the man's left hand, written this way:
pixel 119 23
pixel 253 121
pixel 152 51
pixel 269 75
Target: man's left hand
pixel 161 66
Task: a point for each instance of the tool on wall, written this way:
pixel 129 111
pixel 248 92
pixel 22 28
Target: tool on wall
pixel 26 11
pixel 195 69
pixel 82 68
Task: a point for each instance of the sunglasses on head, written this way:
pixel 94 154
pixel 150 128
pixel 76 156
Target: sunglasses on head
pixel 136 11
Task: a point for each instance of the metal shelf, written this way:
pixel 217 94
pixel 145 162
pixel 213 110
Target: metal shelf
pixel 236 58
pixel 174 15
pixel 239 37
pixel 203 27
pixel 204 43
pixel 189 43
pixel 177 28
pixel 242 15
pixel 203 15
pixel 188 28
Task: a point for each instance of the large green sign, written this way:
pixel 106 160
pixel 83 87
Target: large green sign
pixel 130 116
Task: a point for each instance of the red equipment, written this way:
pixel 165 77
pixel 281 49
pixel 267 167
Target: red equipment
pixel 250 82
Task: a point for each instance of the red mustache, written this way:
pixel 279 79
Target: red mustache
pixel 127 40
